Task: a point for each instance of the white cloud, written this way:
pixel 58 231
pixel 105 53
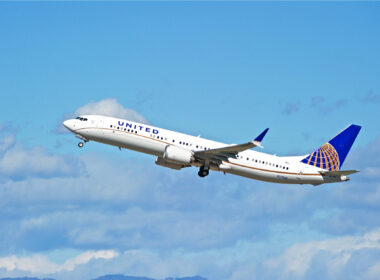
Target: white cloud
pixel 19 163
pixel 297 259
pixel 39 264
pixel 110 107
pixel 86 257
pixel 33 264
pixel 7 142
pixel 116 205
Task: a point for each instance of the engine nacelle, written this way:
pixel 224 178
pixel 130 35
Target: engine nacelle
pixel 178 155
pixel 161 162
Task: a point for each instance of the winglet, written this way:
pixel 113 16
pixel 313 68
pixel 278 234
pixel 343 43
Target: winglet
pixel 261 136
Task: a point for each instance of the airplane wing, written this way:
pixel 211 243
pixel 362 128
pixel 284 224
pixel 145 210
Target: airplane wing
pixel 220 154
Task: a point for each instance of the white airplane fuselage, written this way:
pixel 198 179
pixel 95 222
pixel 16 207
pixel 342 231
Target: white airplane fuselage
pixel 155 141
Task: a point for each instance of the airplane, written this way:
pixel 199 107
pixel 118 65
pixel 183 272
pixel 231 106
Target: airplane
pixel 178 150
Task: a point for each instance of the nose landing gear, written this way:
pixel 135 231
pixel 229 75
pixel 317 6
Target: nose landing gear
pixel 81 143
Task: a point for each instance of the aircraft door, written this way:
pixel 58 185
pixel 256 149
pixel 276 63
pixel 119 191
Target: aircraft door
pixel 299 171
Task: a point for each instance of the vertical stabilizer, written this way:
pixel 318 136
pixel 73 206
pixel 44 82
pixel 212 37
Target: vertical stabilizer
pixel 333 153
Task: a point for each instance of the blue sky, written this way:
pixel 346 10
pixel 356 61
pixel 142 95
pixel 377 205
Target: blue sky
pixel 223 70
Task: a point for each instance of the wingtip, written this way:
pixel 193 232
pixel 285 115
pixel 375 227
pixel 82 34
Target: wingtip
pixel 261 136
pixel 257 144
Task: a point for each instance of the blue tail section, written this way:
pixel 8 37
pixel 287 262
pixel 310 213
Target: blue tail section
pixel 261 136
pixel 332 154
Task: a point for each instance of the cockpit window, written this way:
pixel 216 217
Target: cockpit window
pixel 81 119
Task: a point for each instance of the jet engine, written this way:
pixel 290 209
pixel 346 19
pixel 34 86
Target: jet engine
pixel 178 155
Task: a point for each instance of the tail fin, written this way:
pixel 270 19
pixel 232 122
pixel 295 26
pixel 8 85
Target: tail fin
pixel 332 154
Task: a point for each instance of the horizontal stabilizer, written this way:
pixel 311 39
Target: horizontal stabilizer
pixel 339 173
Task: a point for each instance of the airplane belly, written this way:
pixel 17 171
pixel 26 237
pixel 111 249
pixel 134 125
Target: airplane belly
pixel 275 177
pixel 252 173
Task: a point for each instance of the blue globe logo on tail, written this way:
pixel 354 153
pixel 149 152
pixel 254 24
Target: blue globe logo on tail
pixel 333 153
pixel 325 157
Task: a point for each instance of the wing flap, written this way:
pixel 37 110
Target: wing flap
pixel 224 153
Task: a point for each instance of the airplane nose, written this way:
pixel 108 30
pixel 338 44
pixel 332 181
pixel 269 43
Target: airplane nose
pixel 68 124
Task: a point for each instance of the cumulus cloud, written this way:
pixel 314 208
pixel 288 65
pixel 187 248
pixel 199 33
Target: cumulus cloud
pixel 345 257
pixel 6 142
pixel 295 262
pixel 18 163
pixel 112 108
pixel 7 138
pixel 168 222
pixel 107 107
pixel 113 205
pixel 41 265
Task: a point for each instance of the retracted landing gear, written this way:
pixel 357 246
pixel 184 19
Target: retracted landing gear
pixel 203 171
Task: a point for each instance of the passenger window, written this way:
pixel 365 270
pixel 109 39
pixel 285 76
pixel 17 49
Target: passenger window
pixel 111 125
